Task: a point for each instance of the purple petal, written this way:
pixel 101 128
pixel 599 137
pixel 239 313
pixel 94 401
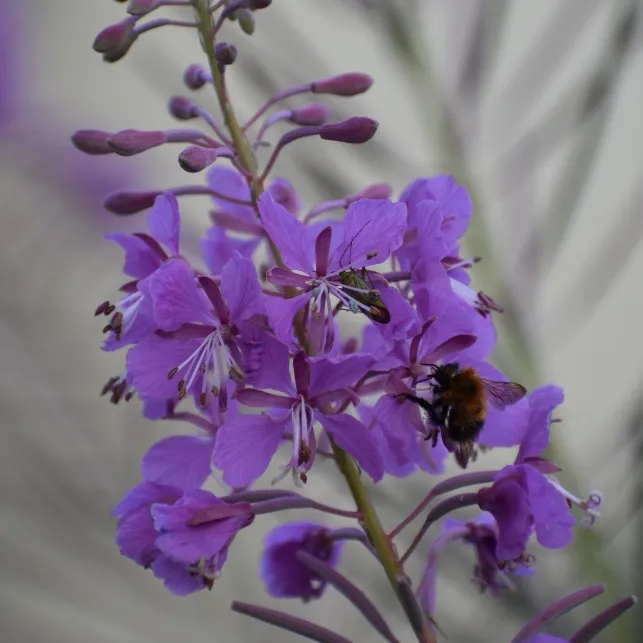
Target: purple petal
pixel 552 515
pixel 245 446
pixel 144 494
pixel 136 537
pixel 341 371
pixel 176 577
pixel 370 226
pixel 240 289
pixel 217 248
pixel 261 399
pixel 289 235
pixel 284 194
pixel 230 183
pixel 180 460
pixel 354 438
pixel 284 277
pixel 269 364
pixel 164 221
pixel 140 260
pixel 404 320
pixel 175 296
pixel 430 238
pixel 281 313
pixel 542 403
pixel 150 361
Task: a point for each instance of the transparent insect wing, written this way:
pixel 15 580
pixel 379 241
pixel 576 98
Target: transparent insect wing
pixel 502 394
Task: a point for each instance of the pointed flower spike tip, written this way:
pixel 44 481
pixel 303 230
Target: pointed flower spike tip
pixel 349 84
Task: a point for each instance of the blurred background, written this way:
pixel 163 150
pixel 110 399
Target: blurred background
pixel 534 106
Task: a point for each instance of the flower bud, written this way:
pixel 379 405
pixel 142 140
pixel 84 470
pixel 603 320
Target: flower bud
pixel 375 191
pixel 343 85
pixel 256 5
pixel 195 77
pixel 316 114
pixel 141 7
pixel 92 141
pixel 195 159
pixel 182 108
pixel 358 129
pixel 246 21
pixel 130 202
pixel 114 41
pixel 130 141
pixel 225 53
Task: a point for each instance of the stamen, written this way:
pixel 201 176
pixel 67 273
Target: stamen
pixel 591 506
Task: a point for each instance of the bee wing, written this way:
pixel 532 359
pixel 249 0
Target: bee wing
pixel 502 394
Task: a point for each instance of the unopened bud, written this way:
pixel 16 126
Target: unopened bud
pixel 182 108
pixel 130 202
pixel 255 5
pixel 246 21
pixel 130 141
pixel 115 38
pixel 141 7
pixel 343 85
pixel 195 159
pixel 225 53
pixel 92 141
pixel 195 77
pixel 316 114
pixel 358 129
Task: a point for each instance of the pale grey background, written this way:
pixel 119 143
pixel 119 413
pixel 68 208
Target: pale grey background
pixel 67 456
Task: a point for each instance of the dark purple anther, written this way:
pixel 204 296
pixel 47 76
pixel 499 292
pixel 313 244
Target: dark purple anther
pixel 349 84
pixel 358 129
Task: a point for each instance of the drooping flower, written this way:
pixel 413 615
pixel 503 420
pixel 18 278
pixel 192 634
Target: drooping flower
pixel 283 574
pixel 245 446
pixel 197 347
pixel 182 536
pixel 318 259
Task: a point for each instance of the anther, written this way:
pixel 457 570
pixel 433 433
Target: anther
pixel 172 373
pixel 203 398
pixel 102 309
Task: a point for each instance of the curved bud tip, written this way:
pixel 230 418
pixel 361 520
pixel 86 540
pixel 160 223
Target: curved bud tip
pixel 130 202
pixel 358 129
pixel 115 37
pixel 225 53
pixel 182 108
pixel 349 84
pixel 92 141
pixel 195 159
pixel 316 114
pixel 130 141
pixel 141 7
pixel 195 77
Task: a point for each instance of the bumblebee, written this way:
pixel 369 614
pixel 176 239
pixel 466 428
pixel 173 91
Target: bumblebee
pixel 458 409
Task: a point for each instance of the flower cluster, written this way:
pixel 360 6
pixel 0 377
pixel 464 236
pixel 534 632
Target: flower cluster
pixel 359 339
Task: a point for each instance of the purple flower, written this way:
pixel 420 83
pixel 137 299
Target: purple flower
pixel 316 258
pixel 183 536
pixel 245 446
pixel 281 571
pixel 198 345
pixel 132 317
pixel 522 500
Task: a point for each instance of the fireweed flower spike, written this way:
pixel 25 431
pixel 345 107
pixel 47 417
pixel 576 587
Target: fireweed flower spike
pixel 232 336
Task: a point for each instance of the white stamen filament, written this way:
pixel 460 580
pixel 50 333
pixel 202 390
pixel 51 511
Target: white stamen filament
pixel 591 506
pixel 128 308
